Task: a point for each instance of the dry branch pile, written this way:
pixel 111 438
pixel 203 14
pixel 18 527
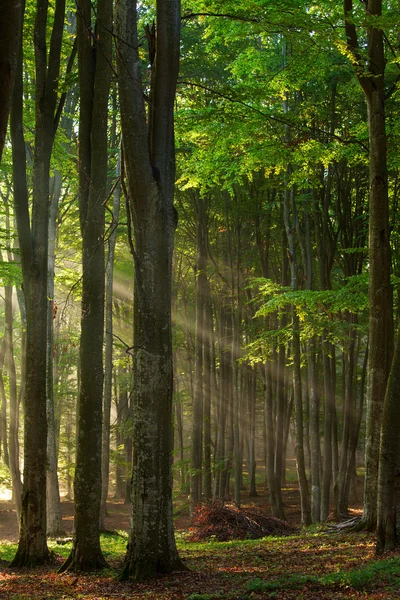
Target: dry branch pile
pixel 213 520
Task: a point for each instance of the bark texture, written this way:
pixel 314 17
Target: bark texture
pixel 371 77
pixel 33 242
pixel 94 59
pixel 150 168
pixel 10 33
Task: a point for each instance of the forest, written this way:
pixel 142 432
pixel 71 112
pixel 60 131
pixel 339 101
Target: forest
pixel 199 299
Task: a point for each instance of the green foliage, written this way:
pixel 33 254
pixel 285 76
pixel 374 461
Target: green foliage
pixel 386 571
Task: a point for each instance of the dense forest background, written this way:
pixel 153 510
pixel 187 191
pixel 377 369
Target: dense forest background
pixel 285 270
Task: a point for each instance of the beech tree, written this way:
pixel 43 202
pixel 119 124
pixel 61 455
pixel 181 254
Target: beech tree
pixel 33 243
pixel 11 12
pixel 150 168
pixel 94 60
pixel 370 71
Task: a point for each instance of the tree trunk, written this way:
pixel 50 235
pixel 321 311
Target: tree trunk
pixel 33 243
pixel 371 78
pixel 327 461
pixel 201 282
pixel 11 12
pixel 108 353
pixel 150 168
pixel 208 339
pixel 54 518
pixel 13 443
pixel 314 433
pixel 388 526
pixel 94 62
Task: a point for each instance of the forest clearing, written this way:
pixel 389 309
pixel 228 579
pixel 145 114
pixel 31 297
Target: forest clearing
pixel 310 564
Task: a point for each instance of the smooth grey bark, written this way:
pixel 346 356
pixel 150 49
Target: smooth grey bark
pixel 223 398
pixel 197 421
pixel 33 243
pixel 250 378
pixel 54 524
pixel 94 71
pixel 13 442
pixel 4 436
pixel 314 434
pixel 149 153
pixel 290 224
pixel 328 419
pixel 207 395
pixel 108 351
pixel 348 411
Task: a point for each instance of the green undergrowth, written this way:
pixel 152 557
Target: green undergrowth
pixel 386 571
pixel 305 565
pixel 113 545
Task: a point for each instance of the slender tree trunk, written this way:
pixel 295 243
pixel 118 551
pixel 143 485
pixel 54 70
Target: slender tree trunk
pixel 10 33
pixel 54 518
pixel 327 461
pixel 108 353
pixel 314 433
pixel 197 434
pixel 208 328
pixel 33 243
pixel 94 63
pixel 13 443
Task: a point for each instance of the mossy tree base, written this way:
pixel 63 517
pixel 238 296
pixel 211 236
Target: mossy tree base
pixel 84 562
pixel 142 570
pixel 26 557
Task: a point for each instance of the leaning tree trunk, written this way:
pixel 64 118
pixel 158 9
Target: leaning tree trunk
pixel 150 168
pixel 94 79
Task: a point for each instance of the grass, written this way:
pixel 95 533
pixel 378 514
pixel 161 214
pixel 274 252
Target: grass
pixel 113 545
pixel 385 572
pixel 308 565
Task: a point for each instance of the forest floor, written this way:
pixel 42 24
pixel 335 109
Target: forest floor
pixel 312 564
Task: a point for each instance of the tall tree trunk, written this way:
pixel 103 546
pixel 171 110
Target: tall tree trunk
pixel 327 462
pixel 314 434
pixel 388 527
pixel 201 279
pixel 370 74
pixel 207 396
pixel 10 33
pixel 150 167
pixel 94 67
pixel 13 442
pixel 54 518
pixel 108 353
pixel 33 243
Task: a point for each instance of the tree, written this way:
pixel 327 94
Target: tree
pixel 370 71
pixel 11 12
pixel 33 243
pixel 150 169
pixel 94 61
